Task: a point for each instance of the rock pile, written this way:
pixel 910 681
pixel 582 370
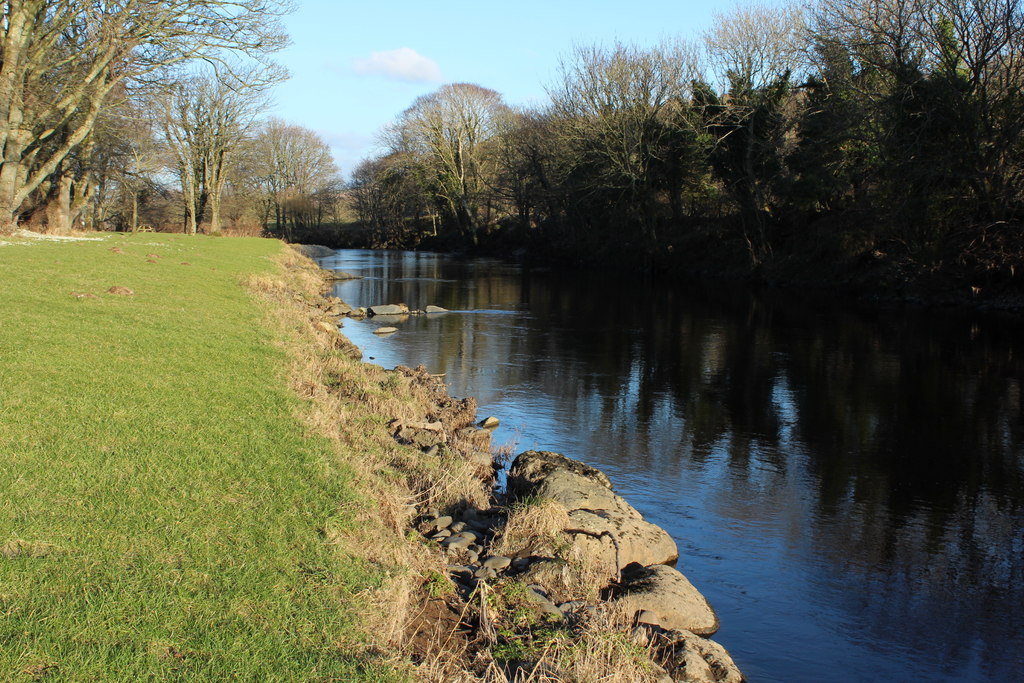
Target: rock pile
pixel 672 619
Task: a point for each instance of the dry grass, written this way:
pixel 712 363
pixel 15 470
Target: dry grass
pixel 534 528
pixel 351 403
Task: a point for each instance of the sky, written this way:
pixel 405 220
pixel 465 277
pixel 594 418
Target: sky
pixel 355 66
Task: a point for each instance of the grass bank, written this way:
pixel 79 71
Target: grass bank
pixel 169 508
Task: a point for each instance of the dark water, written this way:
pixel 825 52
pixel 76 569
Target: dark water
pixel 846 487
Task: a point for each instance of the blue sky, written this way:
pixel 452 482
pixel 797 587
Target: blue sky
pixel 356 65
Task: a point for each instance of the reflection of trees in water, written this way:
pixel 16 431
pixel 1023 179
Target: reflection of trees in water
pixel 909 427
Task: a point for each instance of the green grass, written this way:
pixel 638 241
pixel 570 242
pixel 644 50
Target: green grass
pixel 161 509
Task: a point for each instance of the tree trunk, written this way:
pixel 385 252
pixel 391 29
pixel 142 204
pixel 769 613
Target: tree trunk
pixel 58 206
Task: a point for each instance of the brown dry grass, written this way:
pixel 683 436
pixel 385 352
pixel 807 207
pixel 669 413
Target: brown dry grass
pixel 350 403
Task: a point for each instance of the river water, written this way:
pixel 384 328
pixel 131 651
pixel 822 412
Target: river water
pixel 845 486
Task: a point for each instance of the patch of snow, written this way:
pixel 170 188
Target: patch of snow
pixel 28 234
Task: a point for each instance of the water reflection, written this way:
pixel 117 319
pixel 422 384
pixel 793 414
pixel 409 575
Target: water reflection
pixel 845 486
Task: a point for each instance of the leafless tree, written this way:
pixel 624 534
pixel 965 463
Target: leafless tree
pixel 206 118
pixel 755 44
pixel 448 132
pixel 62 58
pixel 294 170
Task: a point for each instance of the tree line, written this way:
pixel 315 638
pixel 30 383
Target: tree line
pixel 858 125
pixel 124 113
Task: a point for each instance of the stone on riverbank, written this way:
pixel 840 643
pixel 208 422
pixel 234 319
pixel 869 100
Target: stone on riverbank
pixel 693 659
pixel 604 525
pixel 385 330
pixel 668 594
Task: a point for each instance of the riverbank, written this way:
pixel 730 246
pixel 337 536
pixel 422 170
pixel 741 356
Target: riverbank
pixel 231 498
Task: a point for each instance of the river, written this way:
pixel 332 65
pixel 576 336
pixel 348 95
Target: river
pixel 846 486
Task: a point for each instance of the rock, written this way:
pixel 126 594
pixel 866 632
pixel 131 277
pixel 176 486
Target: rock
pixel 475 434
pixel 441 535
pixel 458 527
pixel 485 573
pixel 421 438
pixel 385 330
pixel 358 313
pixel 456 542
pixel 433 451
pixel 668 594
pixel 497 562
pixel 456 569
pixel 601 519
pixel 472 556
pixel 388 309
pixel 336 307
pixel 489 423
pixel 648 617
pixel 442 522
pixel 466 534
pixel 435 309
pixel 325 326
pixel 693 659
pixel 571 606
pixel 120 291
pixel 531 467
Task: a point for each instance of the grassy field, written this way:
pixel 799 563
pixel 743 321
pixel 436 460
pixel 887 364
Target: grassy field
pixel 162 509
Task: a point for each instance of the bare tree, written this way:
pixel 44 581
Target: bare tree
pixel 755 44
pixel 448 131
pixel 62 58
pixel 620 118
pixel 206 118
pixel 292 165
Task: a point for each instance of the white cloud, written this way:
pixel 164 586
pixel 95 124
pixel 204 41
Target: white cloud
pixel 403 64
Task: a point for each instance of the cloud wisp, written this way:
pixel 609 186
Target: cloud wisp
pixel 403 64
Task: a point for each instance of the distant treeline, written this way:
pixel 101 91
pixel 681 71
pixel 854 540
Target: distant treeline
pixel 847 129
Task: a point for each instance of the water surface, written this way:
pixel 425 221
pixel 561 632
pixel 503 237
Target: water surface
pixel 846 487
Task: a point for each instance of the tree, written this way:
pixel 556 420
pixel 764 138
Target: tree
pixel 448 132
pixel 621 117
pixel 206 118
pixel 62 58
pixel 292 166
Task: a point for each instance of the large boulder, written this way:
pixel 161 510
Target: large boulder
pixel 604 526
pixel 669 595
